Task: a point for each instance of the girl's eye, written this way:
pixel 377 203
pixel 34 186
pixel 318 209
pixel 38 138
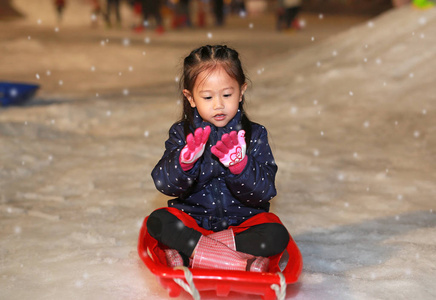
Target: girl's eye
pixel 227 95
pixel 207 98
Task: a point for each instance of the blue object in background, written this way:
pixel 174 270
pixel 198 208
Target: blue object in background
pixel 15 93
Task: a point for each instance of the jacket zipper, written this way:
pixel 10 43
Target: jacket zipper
pixel 215 184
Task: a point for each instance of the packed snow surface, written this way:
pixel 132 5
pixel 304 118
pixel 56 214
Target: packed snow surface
pixel 351 118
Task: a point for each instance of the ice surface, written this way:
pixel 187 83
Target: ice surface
pixel 351 120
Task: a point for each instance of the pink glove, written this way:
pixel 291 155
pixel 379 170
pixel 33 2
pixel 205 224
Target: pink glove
pixel 231 151
pixel 194 148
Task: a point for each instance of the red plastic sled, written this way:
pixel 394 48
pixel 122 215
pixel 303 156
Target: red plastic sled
pixel 269 285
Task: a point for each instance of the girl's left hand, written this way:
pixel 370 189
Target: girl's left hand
pixel 231 151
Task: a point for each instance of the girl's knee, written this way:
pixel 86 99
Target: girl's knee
pixel 266 239
pixel 155 222
pixel 280 236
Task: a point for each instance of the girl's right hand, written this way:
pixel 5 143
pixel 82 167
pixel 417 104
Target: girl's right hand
pixel 194 148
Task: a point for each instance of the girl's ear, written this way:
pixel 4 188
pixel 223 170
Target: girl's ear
pixel 188 96
pixel 243 89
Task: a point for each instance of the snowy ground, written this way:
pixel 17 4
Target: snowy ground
pixel 351 119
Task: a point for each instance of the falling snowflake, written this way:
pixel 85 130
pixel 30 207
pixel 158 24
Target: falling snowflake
pixel 79 283
pixel 13 92
pixel 422 21
pixel 180 225
pixel 209 35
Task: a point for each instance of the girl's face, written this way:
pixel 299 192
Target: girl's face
pixel 216 96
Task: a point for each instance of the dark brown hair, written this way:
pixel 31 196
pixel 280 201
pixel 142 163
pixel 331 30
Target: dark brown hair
pixel 207 58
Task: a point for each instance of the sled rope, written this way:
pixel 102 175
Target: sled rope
pixel 280 290
pixel 190 287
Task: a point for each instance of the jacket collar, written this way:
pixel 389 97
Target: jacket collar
pixel 234 124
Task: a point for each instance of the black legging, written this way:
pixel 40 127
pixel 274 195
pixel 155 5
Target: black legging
pixel 260 240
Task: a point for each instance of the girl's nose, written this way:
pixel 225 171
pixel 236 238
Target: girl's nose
pixel 218 103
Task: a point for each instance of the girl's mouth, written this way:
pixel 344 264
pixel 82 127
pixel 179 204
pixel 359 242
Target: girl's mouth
pixel 219 117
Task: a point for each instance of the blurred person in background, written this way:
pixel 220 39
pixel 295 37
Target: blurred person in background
pixel 201 13
pixel 113 5
pixel 152 8
pixel 287 13
pixel 238 7
pixel 95 12
pixel 218 11
pixel 60 7
pixel 182 14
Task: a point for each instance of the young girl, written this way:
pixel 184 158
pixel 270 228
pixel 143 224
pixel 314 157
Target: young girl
pixel 220 167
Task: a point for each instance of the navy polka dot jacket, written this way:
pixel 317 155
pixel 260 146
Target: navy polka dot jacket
pixel 209 192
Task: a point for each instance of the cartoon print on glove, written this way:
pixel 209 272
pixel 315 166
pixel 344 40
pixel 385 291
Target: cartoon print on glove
pixel 236 156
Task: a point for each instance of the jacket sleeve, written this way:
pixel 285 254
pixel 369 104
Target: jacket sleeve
pixel 255 185
pixel 168 176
